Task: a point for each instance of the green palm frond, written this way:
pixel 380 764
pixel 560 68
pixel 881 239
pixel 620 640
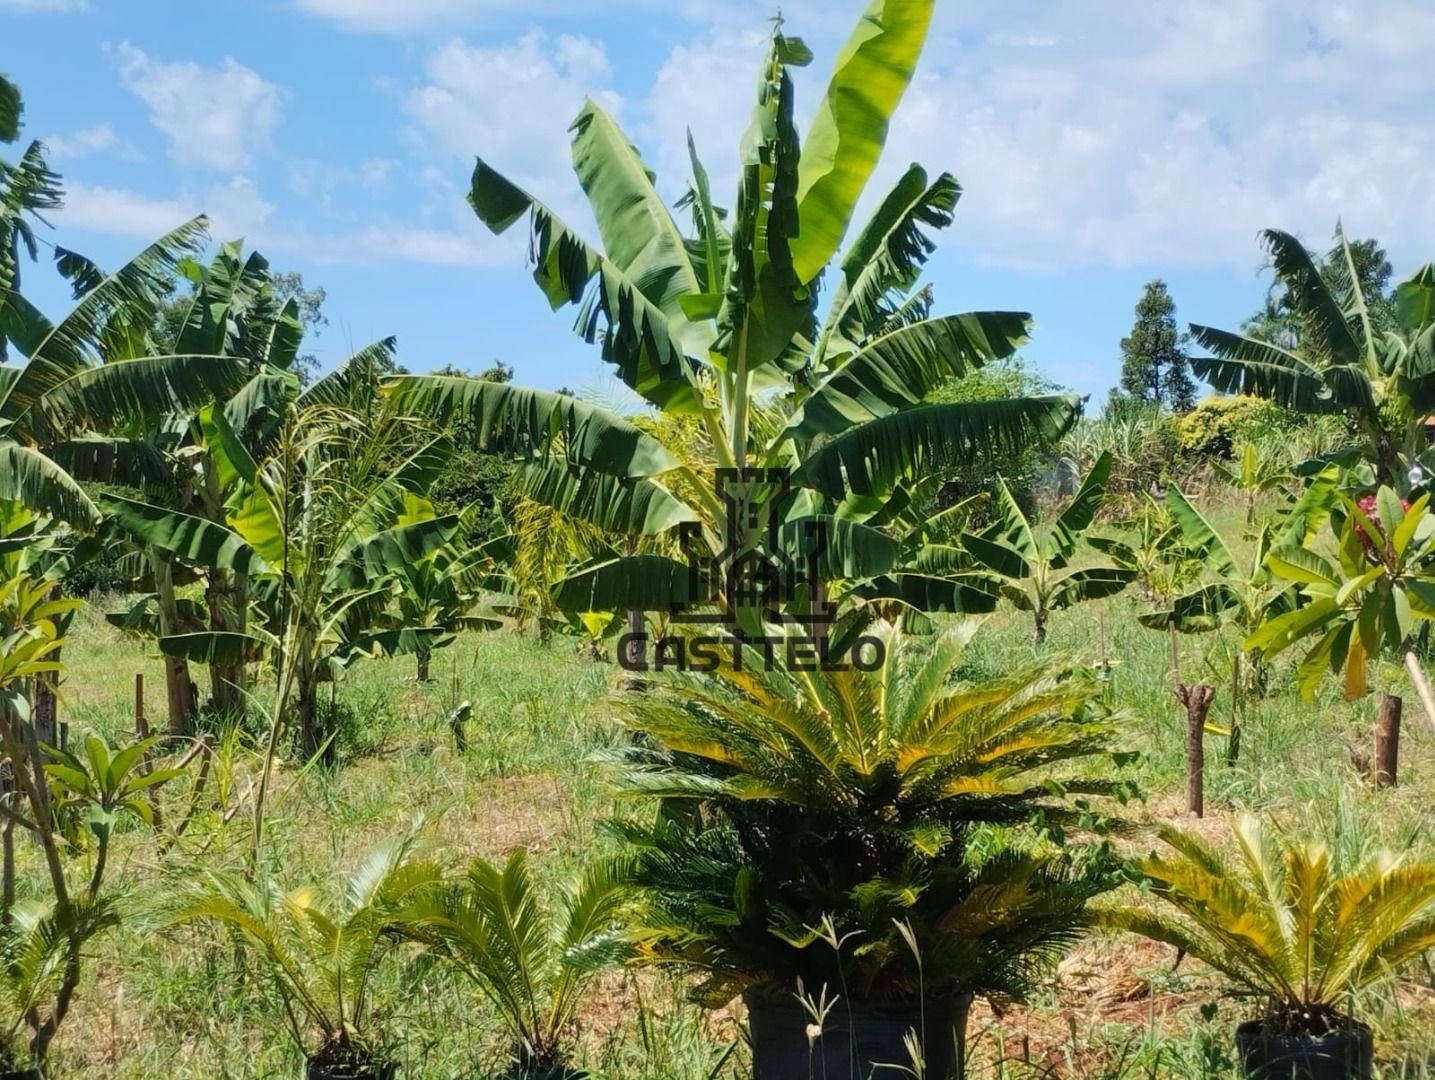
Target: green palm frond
pixel 849 795
pixel 320 955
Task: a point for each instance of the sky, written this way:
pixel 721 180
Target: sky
pixel 1099 144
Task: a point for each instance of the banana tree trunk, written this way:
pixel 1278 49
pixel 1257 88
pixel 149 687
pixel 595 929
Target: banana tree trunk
pixel 179 687
pixel 223 597
pixel 306 709
pixel 1038 634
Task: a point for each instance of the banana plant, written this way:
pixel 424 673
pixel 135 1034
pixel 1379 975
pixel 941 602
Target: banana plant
pixel 721 332
pixel 1240 595
pixel 1365 604
pixel 1154 550
pixel 1383 380
pixel 1032 564
pixel 444 589
pixel 1257 474
pixel 321 525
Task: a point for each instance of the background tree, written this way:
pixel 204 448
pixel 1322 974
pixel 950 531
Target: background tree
pixel 1383 381
pixel 1279 321
pixel 1153 358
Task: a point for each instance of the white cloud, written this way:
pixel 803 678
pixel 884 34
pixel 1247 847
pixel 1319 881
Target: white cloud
pixel 117 212
pixel 387 16
pixel 417 16
pixel 215 117
pixel 1102 133
pixel 237 209
pixel 512 104
pixel 91 140
pixel 46 7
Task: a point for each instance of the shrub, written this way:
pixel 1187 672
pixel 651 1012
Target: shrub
pixel 1218 424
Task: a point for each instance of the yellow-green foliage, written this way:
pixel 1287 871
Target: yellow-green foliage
pixel 1218 423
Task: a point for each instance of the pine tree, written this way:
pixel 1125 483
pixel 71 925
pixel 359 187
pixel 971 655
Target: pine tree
pixel 1154 366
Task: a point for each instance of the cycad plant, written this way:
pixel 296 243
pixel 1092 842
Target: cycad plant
pixel 1032 564
pixel 321 956
pixel 829 826
pixel 1283 923
pixel 531 959
pixel 38 941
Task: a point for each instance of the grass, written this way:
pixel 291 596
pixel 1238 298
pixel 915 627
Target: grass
pixel 176 1003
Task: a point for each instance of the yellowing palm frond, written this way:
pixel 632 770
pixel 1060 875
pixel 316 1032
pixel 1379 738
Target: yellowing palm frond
pixel 1283 924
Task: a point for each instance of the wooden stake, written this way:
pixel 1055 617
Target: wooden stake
pixel 1387 740
pixel 141 724
pixel 1197 700
pixel 1233 743
pixel 1422 684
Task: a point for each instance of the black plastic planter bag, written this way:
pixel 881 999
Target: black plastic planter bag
pixel 1341 1055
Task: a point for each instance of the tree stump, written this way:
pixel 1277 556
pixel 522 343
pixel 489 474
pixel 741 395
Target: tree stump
pixel 1197 700
pixel 1387 740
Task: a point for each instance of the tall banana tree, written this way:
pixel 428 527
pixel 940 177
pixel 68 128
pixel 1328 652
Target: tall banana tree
pixel 720 330
pixel 1383 380
pixel 321 515
pixel 28 189
pixel 231 313
pixel 1032 564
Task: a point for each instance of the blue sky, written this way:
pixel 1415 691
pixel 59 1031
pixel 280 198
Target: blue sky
pixel 1100 144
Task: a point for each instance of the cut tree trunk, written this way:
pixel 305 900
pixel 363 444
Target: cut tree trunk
pixel 1387 740
pixel 1197 700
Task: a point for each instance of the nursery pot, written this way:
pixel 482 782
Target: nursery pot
pixel 1345 1054
pixel 855 1039
pixel 317 1070
pixel 33 1073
